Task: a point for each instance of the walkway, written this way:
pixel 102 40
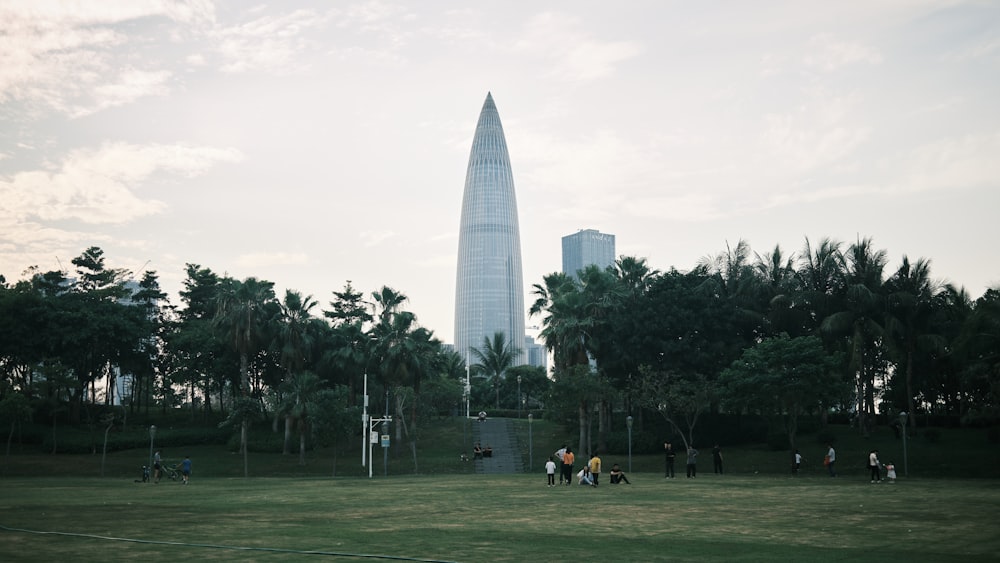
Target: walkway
pixel 498 433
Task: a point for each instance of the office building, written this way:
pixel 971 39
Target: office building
pixel 489 286
pixel 587 247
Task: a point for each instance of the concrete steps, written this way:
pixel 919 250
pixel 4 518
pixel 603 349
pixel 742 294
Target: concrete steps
pixel 500 435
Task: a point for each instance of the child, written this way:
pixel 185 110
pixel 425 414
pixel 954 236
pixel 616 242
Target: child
pixel 890 472
pixel 550 470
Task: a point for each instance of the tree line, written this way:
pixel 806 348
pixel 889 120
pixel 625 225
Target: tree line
pixel 826 331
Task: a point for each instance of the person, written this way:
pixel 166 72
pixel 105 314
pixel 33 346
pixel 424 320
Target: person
pixel 717 459
pixel 668 470
pixel 488 451
pixel 186 469
pixel 797 463
pixel 482 416
pixel 595 468
pixel 617 476
pixel 567 466
pixel 477 452
pixel 550 471
pixel 584 476
pixel 890 472
pixel 830 459
pixel 873 466
pixel 559 455
pixel 692 460
pixel 156 466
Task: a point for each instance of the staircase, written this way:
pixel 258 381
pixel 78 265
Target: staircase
pixel 500 435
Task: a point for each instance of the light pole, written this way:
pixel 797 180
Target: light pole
pixel 519 397
pixel 531 457
pixel 628 422
pixel 902 420
pixel 152 435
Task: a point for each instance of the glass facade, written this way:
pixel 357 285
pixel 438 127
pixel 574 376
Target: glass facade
pixel 587 247
pixel 489 287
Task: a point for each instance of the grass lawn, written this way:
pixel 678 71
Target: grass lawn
pixel 501 518
pixel 59 507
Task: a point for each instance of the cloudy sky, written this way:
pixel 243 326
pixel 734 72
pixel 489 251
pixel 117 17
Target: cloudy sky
pixel 311 143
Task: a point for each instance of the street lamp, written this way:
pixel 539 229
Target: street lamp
pixel 902 420
pixel 152 435
pixel 519 396
pixel 531 457
pixel 628 422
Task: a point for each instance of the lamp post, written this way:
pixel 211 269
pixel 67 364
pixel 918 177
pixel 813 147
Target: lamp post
pixel 628 422
pixel 519 397
pixel 531 457
pixel 152 435
pixel 902 420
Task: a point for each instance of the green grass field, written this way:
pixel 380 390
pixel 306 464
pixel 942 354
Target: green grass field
pixel 58 507
pixel 508 518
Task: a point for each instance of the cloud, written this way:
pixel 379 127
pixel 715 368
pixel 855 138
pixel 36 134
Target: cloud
pixel 98 185
pixel 265 259
pixel 271 43
pixel 574 54
pixel 829 53
pixel 374 238
pixel 64 55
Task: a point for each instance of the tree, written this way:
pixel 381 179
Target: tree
pixel 494 358
pixel 911 296
pixel 300 393
pixel 860 322
pixel 244 309
pixel 784 376
pixel 295 338
pixel 680 399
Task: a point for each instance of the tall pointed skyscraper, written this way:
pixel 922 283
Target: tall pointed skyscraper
pixel 489 288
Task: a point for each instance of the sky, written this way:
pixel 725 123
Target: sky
pixel 312 143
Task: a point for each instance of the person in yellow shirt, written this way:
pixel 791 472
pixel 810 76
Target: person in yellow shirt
pixel 595 467
pixel 567 465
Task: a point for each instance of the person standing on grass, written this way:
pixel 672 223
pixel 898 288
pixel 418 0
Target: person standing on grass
pixel 595 468
pixel 873 465
pixel 692 462
pixel 831 458
pixel 559 456
pixel 670 454
pixel 567 465
pixel 797 463
pixel 156 466
pixel 186 469
pixel 717 459
pixel 550 470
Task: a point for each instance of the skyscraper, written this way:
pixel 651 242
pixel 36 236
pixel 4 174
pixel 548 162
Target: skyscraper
pixel 489 285
pixel 587 247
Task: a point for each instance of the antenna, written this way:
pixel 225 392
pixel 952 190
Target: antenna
pixel 61 269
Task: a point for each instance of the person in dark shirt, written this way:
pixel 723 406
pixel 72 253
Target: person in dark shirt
pixel 668 449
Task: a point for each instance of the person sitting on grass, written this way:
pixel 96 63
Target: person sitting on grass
pixel 617 476
pixel 584 476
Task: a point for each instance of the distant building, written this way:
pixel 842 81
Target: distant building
pixel 587 247
pixel 537 355
pixel 489 285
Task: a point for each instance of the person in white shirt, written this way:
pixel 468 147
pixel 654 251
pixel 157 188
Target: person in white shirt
pixel 874 466
pixel 550 471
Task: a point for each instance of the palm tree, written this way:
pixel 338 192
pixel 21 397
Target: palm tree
pixel 295 338
pixel 911 298
pixel 300 394
pixel 861 322
pixel 494 358
pixel 244 309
